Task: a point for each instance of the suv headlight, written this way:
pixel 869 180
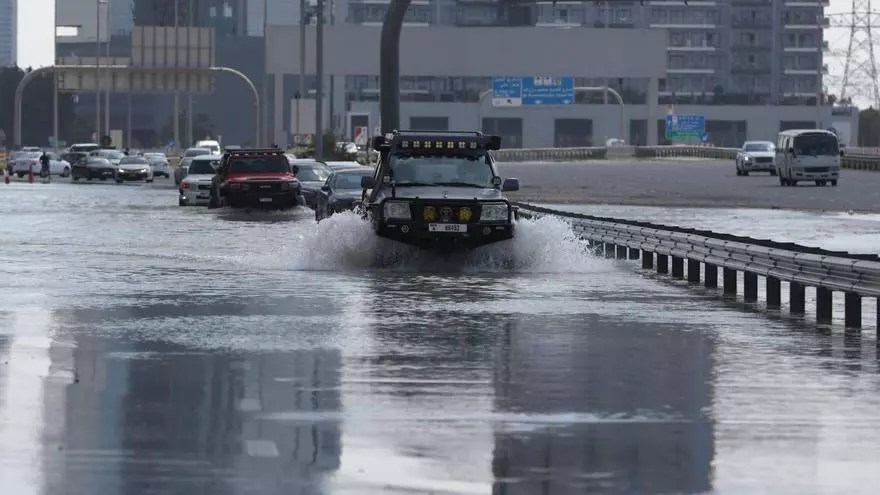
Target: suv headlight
pixel 398 210
pixel 495 212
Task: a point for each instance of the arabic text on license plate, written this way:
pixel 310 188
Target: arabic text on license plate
pixel 447 227
pixel 265 200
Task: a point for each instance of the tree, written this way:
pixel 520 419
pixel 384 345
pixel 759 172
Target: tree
pixel 36 108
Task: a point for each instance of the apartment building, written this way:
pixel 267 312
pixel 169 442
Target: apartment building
pixel 8 32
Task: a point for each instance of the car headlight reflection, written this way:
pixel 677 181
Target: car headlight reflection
pixel 494 212
pixel 397 210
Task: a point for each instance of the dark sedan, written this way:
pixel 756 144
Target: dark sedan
pixel 312 175
pixel 93 167
pixel 341 191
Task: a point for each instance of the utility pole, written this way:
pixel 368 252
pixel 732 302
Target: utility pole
pixel 190 139
pixel 319 83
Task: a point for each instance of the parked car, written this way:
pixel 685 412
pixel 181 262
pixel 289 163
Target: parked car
pixel 195 188
pixel 159 163
pixel 93 167
pixel 341 192
pixel 312 175
pixel 31 160
pixel 134 168
pixel 181 170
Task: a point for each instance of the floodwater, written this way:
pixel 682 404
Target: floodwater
pixel 147 348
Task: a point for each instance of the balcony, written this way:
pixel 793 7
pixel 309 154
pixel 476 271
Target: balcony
pixel 739 46
pixel 748 23
pixel 755 68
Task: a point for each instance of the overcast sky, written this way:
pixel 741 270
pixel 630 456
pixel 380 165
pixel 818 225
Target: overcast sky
pixel 35 41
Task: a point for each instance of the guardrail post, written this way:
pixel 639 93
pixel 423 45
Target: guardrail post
pixel 710 279
pixel 796 298
pixel 647 259
pixel 694 271
pixel 823 305
pixel 621 252
pixel 750 287
pixel 633 253
pixel 774 293
pixel 729 276
pixel 662 263
pixel 677 267
pixel 609 250
pixel 852 310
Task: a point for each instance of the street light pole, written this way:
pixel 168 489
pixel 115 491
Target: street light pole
pixel 189 97
pixel 302 63
pixel 319 83
pixel 176 93
pixel 109 86
pixel 55 77
pixel 98 71
pixel 265 88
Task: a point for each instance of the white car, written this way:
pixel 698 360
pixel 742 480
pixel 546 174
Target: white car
pixel 756 156
pixel 134 168
pixel 26 160
pixel 181 170
pixel 195 188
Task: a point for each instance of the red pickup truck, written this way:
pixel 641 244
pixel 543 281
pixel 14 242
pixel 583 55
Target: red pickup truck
pixel 256 178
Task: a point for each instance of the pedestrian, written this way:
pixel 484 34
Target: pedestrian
pixel 44 166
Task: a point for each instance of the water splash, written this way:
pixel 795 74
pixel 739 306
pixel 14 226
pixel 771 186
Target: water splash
pixel 345 241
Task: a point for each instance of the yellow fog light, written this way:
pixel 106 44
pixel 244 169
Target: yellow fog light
pixel 429 214
pixel 465 214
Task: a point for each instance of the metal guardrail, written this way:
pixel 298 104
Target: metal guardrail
pixel 855 275
pixel 854 161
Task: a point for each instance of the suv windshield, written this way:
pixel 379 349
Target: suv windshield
pixel 202 167
pixel 312 173
pixel 110 154
pixel 259 164
pixel 815 144
pixel 758 147
pixel 463 171
pixel 132 160
pixel 349 180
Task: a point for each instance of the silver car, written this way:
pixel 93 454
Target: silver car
pixel 181 170
pixel 756 156
pixel 195 188
pixel 159 163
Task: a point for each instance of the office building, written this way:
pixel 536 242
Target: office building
pixel 8 32
pixel 736 62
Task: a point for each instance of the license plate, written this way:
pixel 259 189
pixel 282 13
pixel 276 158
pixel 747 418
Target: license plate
pixel 265 200
pixel 447 227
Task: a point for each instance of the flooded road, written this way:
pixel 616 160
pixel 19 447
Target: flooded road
pixel 147 348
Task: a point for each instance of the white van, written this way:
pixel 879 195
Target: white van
pixel 214 146
pixel 808 155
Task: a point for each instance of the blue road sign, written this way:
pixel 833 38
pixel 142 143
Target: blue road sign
pixel 540 90
pixel 685 126
pixel 547 90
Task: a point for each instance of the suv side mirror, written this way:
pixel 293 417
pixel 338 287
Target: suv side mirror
pixel 295 169
pixel 510 185
pixel 325 188
pixel 368 182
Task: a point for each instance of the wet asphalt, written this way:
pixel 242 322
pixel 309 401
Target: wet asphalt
pixel 680 183
pixel 147 348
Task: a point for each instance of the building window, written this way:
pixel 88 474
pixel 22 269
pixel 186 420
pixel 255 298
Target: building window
pixel 212 11
pixel 227 10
